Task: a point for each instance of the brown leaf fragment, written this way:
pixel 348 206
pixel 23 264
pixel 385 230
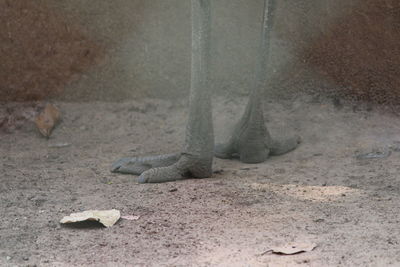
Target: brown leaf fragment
pixel 47 120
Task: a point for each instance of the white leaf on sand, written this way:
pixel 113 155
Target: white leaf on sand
pixel 292 248
pixel 106 217
pixel 130 218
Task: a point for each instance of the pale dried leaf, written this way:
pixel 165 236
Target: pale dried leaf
pixel 106 217
pixel 294 248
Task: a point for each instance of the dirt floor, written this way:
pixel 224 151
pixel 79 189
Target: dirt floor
pixel 320 193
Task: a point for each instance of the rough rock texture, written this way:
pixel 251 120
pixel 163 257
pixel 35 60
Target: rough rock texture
pixel 40 52
pixel 361 53
pixel 319 46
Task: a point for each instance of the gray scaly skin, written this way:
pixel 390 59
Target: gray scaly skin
pixel 196 159
pixel 250 140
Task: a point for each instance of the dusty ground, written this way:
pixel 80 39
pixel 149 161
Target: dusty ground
pixel 319 193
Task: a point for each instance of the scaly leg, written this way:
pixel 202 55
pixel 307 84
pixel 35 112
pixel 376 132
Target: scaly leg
pixel 196 159
pixel 250 140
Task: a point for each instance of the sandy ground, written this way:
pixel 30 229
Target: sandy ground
pixel 320 193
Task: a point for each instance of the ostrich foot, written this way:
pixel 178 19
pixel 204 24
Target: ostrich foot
pixel 255 149
pixel 165 168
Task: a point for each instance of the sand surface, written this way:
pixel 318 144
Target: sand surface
pixel 320 193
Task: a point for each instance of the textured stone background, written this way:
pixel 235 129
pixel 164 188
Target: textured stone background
pixel 126 49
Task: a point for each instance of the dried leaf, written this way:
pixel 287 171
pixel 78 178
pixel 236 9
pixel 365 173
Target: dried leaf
pixel 292 248
pixel 130 217
pixel 47 120
pixel 106 217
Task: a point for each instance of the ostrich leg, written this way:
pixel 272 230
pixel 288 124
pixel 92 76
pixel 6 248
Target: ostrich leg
pixel 250 140
pixel 196 159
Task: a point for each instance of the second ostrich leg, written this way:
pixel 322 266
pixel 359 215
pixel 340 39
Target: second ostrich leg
pixel 250 140
pixel 196 159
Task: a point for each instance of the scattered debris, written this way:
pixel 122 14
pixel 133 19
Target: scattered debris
pixel 379 154
pixel 292 249
pixel 47 120
pixel 106 217
pixel 130 218
pixel 395 146
pixel 219 171
pixel 15 116
pixel 59 145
